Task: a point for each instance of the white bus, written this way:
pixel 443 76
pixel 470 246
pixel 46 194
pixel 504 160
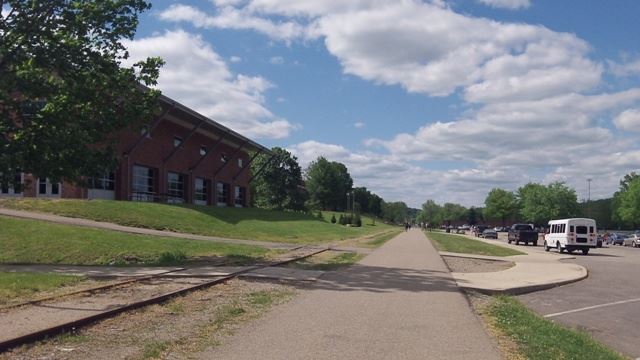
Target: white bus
pixel 571 234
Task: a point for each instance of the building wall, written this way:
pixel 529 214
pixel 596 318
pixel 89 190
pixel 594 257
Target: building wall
pixel 157 151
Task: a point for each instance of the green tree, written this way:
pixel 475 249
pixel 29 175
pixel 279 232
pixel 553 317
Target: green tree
pixel 453 212
pixel 500 204
pixel 539 204
pixel 375 205
pixel 430 213
pixel 629 203
pixel 563 201
pixel 328 183
pixel 533 203
pixel 362 198
pixel 279 185
pixel 63 87
pixel 395 212
pixel 472 216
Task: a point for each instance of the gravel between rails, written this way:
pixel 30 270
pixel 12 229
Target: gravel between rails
pixel 30 318
pixel 177 329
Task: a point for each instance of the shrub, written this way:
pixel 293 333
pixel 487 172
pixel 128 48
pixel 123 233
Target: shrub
pixel 333 219
pixel 171 258
pixel 357 221
pixel 342 220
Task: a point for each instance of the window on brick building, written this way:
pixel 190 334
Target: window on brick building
pixel 222 193
pixel 47 188
pixel 175 187
pixel 143 183
pixel 105 182
pixel 200 191
pixel 144 130
pixel 12 189
pixel 240 196
pixel 177 141
pixel 203 150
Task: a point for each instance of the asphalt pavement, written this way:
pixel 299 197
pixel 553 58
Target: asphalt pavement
pixel 606 304
pixel 400 302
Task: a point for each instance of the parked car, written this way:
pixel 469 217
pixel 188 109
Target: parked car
pixel 616 239
pixel 522 233
pixel 632 240
pixel 479 229
pixel 490 234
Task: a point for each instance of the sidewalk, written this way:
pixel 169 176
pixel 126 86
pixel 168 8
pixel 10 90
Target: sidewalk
pixel 538 270
pixel 400 302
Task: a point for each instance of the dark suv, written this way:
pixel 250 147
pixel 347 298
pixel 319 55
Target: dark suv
pixel 522 233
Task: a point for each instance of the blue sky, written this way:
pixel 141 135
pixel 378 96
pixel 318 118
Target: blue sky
pixel 430 99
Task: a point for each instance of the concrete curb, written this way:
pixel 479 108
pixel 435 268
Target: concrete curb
pixel 523 289
pixel 516 289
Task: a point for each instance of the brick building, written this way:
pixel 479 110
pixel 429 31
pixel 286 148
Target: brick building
pixel 179 156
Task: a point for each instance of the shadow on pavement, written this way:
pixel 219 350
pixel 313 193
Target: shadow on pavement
pixel 384 279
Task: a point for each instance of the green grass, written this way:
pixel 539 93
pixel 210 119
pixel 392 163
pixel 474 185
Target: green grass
pixel 538 338
pixel 265 298
pixel 240 223
pixel 153 349
pixel 379 240
pixel 37 242
pixel 464 245
pixel 14 285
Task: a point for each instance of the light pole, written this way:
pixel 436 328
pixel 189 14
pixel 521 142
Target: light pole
pixel 589 196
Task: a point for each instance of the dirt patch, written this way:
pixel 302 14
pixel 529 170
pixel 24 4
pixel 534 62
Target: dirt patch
pixel 471 265
pixel 175 329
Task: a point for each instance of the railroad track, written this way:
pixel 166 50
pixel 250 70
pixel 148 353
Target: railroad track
pixel 83 312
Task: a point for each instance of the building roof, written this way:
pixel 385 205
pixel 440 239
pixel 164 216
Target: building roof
pixel 233 136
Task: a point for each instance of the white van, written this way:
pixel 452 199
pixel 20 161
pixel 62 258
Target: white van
pixel 571 234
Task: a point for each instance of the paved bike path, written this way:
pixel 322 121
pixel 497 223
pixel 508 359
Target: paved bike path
pixel 400 302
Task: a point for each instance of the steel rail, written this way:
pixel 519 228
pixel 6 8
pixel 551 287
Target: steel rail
pixel 75 324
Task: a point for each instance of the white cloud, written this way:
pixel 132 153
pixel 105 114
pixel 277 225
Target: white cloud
pixel 235 59
pixel 627 68
pixel 229 17
pixel 507 4
pixel 197 76
pixel 628 120
pixel 359 125
pixel 521 134
pixel 395 179
pixel 391 43
pixel 276 60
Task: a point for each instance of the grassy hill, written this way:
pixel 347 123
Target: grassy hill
pixel 239 223
pixel 37 242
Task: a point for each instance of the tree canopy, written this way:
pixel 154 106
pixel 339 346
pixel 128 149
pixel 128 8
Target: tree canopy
pixel 500 204
pixel 539 204
pixel 395 212
pixel 628 201
pixel 278 185
pixel 63 86
pixel 328 183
